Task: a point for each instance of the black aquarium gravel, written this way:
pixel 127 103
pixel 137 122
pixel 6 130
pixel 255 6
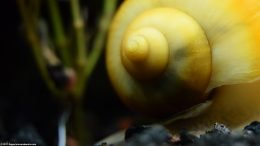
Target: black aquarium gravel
pixel 220 135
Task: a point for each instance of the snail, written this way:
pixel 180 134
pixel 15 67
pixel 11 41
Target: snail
pixel 196 61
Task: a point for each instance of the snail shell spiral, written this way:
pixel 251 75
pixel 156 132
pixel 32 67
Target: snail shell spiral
pixel 165 56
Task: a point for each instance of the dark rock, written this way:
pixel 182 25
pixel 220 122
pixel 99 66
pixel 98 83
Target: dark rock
pixel 27 135
pixel 185 139
pixel 252 128
pixel 219 129
pixel 156 135
pixel 104 144
pixel 135 130
pixel 220 135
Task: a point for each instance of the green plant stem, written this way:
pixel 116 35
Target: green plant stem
pixel 85 63
pixel 78 124
pixel 60 38
pixel 30 28
pixel 79 29
pixel 109 8
pixel 108 11
pixel 78 117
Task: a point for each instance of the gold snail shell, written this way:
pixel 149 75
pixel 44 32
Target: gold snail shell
pixel 166 56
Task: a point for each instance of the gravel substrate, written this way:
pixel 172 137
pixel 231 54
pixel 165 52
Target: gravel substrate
pixel 220 135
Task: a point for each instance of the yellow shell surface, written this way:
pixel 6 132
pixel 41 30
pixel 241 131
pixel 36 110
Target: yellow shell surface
pixel 232 28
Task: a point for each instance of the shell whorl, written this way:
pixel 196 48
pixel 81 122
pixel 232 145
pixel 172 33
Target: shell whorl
pixel 203 44
pixel 143 58
pixel 155 57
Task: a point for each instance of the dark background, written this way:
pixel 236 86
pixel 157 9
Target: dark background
pixel 24 98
